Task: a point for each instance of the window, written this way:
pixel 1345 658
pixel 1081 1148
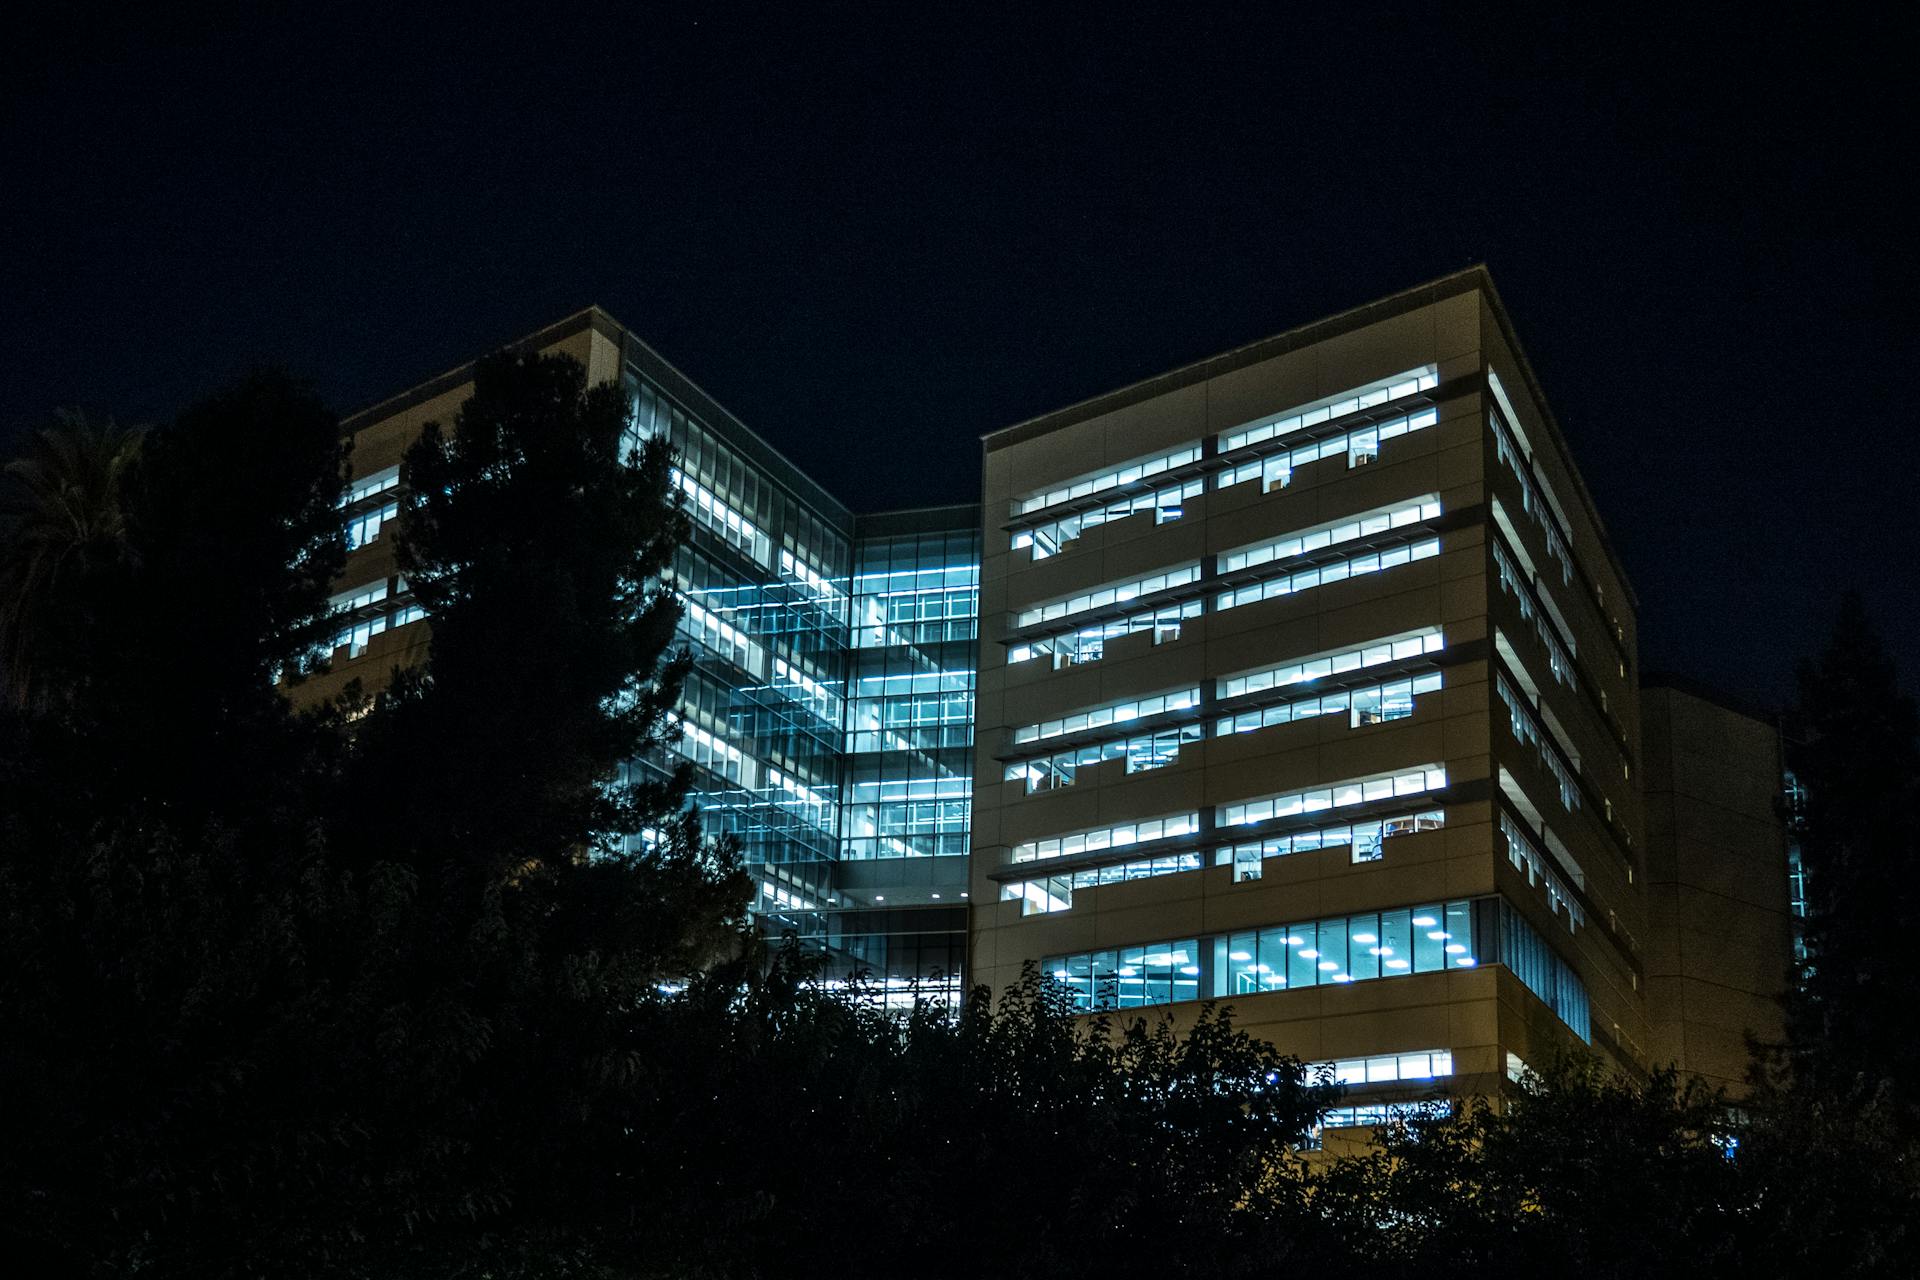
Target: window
pixel 1533 500
pixel 1337 406
pixel 1389 1068
pixel 1528 731
pixel 1077 842
pixel 1371 704
pixel 360 623
pixel 1364 839
pixel 367 486
pixel 1333 533
pixel 1111 714
pixel 1523 855
pixel 1542 971
pixel 1386 649
pixel 1055 893
pixel 1088 644
pixel 1147 751
pixel 1559 646
pixel 1053 537
pixel 1377 1114
pixel 1327 574
pixel 1102 597
pixel 1431 938
pixel 1356 791
pixel 1274 470
pixel 1113 478
pixel 365 527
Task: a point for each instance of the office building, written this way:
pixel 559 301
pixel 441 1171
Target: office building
pixel 1302 678
pixel 1308 683
pixel 829 713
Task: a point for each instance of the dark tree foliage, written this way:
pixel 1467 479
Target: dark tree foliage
pixel 66 525
pixel 815 1136
pixel 383 989
pixel 1854 1021
pixel 296 994
pixel 1582 1172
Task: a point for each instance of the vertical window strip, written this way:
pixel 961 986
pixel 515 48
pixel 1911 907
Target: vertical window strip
pixel 1559 652
pixel 1528 731
pixel 1508 451
pixel 1541 970
pixel 1525 857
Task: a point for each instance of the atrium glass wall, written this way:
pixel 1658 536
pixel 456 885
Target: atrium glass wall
pixel 916 609
pixel 829 714
pixel 900 904
pixel 764 578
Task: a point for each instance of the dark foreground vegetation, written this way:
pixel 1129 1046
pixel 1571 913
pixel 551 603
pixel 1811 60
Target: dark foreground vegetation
pixel 378 990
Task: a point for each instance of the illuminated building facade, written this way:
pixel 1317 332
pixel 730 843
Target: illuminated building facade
pixel 1308 683
pixel 829 712
pixel 1302 678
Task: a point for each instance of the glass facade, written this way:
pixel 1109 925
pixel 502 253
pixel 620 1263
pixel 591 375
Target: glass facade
pixel 916 614
pixel 763 578
pixel 829 712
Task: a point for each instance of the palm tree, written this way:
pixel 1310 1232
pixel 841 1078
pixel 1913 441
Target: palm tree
pixel 63 516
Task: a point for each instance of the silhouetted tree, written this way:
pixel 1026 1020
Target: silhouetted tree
pixel 63 523
pixel 1854 1022
pixel 1583 1171
pixel 332 992
pixel 816 1136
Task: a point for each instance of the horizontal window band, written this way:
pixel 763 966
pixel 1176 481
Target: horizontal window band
pixel 1210 836
pixel 1209 463
pixel 1212 583
pixel 1211 707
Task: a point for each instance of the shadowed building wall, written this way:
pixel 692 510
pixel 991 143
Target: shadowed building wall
pixel 1720 926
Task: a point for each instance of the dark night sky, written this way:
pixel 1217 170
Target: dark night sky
pixel 875 237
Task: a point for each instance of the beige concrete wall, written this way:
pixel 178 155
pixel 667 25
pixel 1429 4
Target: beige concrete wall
pixel 381 442
pixel 1720 938
pixel 1479 1014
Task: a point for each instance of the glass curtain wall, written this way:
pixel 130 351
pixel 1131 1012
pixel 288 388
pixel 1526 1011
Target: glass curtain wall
pixel 829 713
pixel 913 651
pixel 916 608
pixel 764 579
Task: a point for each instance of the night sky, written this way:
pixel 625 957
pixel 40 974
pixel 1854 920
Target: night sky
pixel 875 234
